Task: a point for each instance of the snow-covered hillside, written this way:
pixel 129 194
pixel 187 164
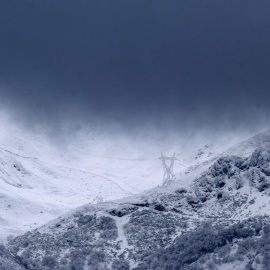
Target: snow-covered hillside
pixel 40 182
pixel 42 179
pixel 34 192
pixel 245 147
pixel 129 233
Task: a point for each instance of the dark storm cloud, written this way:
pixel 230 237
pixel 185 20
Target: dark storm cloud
pixel 127 61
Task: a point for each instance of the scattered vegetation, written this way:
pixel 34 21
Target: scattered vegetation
pixel 88 242
pixel 211 246
pixel 160 230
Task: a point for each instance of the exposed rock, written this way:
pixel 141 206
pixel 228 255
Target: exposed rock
pixel 120 212
pixel 146 204
pixel 159 207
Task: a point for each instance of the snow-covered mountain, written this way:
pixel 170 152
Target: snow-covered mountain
pixel 222 188
pixel 34 192
pixel 139 232
pixel 41 179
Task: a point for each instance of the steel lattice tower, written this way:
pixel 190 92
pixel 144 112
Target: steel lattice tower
pixel 168 169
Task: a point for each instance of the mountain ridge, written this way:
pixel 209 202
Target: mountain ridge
pixel 127 233
pixel 129 230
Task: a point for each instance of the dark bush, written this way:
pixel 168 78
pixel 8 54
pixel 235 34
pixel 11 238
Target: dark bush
pixel 120 265
pixel 49 261
pixel 160 207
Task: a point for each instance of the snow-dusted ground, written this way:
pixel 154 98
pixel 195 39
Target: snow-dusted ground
pixel 41 179
pixel 220 188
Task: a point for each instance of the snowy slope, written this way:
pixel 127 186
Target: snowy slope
pixel 41 179
pixel 246 147
pixel 34 192
pixel 131 229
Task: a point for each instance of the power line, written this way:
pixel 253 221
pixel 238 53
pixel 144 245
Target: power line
pixel 118 158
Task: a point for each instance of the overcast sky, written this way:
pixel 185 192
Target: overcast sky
pixel 188 62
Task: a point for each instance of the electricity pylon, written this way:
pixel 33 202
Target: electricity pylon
pixel 168 169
